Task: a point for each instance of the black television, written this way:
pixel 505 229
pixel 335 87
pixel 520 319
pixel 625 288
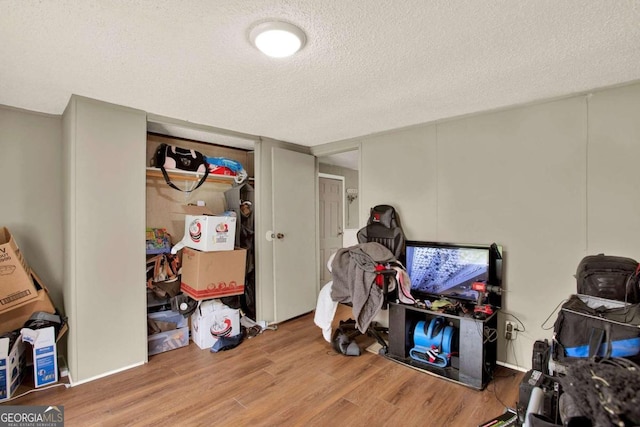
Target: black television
pixel 447 270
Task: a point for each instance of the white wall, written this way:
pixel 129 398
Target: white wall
pixel 551 182
pixel 614 171
pixel 31 202
pixel 399 168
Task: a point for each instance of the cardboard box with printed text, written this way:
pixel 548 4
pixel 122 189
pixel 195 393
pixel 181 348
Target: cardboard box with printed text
pixel 207 232
pixel 213 320
pixel 207 275
pixel 16 317
pixel 12 366
pixel 28 348
pixel 16 285
pixel 45 355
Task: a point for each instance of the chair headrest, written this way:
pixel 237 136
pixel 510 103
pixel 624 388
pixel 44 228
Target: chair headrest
pixel 384 215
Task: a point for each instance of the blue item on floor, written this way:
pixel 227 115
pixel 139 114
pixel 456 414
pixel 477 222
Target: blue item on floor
pixel 226 343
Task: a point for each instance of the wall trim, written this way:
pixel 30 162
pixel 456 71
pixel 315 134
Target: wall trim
pixel 106 374
pixel 510 366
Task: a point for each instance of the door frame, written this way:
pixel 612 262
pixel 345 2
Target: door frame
pixel 337 148
pixel 326 150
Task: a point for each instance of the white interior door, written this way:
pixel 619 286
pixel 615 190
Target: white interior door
pixel 331 199
pixel 294 229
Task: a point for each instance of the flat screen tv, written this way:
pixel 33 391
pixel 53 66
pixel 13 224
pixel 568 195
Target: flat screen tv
pixel 447 270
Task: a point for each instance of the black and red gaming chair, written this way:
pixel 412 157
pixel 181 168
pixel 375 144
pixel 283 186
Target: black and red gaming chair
pixel 382 227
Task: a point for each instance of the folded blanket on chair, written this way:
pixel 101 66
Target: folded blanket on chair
pixel 354 275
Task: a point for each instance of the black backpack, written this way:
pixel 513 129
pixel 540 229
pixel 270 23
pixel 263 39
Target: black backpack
pixel 609 277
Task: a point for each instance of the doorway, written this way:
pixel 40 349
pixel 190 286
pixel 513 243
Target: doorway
pixel 338 205
pixel 331 229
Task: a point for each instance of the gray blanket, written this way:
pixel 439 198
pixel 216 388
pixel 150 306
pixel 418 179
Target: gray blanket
pixel 353 271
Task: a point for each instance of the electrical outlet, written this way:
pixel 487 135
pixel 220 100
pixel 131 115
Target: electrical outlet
pixel 510 330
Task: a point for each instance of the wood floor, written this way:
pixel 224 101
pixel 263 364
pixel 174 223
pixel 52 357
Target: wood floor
pixel 288 377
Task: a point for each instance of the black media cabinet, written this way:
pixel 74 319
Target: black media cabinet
pixel 476 342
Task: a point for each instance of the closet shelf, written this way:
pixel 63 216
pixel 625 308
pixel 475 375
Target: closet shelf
pixel 190 176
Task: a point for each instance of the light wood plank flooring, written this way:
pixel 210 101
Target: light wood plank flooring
pixel 288 377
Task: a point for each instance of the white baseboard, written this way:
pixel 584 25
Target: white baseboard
pixel 510 366
pixel 106 374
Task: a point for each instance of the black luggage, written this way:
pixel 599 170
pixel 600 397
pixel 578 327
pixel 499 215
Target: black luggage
pixel 592 327
pixel 609 277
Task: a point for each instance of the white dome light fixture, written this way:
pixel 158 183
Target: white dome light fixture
pixel 277 39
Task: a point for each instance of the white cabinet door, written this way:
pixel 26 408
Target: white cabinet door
pixel 294 227
pixel 104 293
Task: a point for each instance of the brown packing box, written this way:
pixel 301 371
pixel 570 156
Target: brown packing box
pixel 196 210
pixel 16 285
pixel 16 317
pixel 207 275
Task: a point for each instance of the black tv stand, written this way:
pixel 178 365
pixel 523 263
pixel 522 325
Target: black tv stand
pixel 476 341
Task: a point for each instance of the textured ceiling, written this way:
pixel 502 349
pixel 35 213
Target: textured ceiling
pixel 368 66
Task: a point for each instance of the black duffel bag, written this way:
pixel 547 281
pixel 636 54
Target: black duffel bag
pixel 171 157
pixel 591 327
pixel 609 277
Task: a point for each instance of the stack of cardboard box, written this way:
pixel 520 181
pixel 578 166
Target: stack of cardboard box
pixel 212 268
pixel 22 293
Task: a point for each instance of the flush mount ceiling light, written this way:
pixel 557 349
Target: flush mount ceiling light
pixel 277 39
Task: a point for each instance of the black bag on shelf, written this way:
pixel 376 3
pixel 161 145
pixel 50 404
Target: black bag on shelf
pixel 609 277
pixel 172 157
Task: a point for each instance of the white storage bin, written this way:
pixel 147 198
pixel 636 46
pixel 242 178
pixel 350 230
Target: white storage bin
pixel 168 340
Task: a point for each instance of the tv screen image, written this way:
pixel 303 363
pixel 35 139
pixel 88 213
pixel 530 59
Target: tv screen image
pixel 446 271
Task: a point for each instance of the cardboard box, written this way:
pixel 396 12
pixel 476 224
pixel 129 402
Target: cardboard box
pixel 16 317
pixel 212 320
pixel 207 275
pixel 12 366
pixel 45 355
pixel 207 232
pixel 31 347
pixel 168 340
pixel 16 285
